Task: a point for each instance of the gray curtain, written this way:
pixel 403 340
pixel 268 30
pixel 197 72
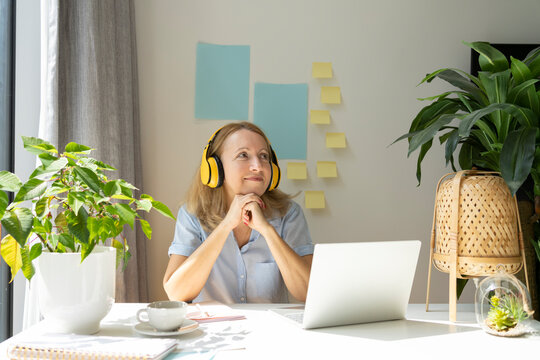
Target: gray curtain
pixel 90 96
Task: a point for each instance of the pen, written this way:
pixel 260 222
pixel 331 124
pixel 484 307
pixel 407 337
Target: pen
pixel 201 310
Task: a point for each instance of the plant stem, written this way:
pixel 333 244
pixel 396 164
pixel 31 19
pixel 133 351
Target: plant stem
pixel 45 243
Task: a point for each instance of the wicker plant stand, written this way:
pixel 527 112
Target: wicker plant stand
pixel 476 230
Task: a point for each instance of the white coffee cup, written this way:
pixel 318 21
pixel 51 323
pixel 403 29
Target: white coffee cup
pixel 163 315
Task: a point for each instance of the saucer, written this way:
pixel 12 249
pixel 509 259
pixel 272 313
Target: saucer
pixel 147 329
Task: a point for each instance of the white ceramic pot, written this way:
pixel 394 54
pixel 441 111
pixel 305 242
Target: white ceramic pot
pixel 75 296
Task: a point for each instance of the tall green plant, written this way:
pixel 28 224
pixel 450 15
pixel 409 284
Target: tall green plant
pixel 493 116
pixel 73 206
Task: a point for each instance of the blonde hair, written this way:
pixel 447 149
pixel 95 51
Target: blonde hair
pixel 209 204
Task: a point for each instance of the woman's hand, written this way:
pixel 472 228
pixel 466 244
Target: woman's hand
pixel 253 216
pixel 236 211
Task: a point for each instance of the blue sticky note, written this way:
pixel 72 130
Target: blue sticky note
pixel 222 82
pixel 281 111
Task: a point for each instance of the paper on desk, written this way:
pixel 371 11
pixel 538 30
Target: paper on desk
pixel 213 337
pixel 212 311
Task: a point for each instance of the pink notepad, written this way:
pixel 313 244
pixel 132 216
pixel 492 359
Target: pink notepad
pixel 212 311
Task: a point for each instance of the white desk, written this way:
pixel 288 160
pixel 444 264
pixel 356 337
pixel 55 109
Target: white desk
pixel 266 335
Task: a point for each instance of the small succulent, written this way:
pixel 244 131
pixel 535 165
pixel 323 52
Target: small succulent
pixel 505 312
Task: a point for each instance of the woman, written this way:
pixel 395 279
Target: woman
pixel 238 239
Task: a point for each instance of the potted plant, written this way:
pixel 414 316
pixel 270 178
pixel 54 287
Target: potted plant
pixel 66 211
pixel 493 116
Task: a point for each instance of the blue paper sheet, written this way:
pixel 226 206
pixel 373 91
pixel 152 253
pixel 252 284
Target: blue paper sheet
pixel 222 82
pixel 281 111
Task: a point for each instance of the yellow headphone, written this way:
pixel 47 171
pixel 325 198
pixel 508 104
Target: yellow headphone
pixel 212 173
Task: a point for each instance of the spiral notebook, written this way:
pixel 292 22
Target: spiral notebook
pixel 61 346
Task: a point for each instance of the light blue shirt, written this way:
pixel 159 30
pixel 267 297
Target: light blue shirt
pixel 247 274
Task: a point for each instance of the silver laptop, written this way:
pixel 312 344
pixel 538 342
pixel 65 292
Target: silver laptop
pixel 352 283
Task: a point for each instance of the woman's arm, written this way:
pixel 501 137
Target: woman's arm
pixel 185 276
pixel 294 268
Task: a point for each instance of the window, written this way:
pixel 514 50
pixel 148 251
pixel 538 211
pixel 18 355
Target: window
pixel 7 51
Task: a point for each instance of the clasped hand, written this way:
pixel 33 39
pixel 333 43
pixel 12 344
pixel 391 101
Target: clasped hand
pixel 247 209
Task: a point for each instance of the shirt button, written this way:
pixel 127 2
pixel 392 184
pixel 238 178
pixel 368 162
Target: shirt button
pixel 242 276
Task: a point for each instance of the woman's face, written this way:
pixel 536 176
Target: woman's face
pixel 246 163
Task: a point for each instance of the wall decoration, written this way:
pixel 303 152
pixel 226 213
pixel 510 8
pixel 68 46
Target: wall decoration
pixel 222 82
pixel 281 111
pixel 321 117
pixel 330 95
pixel 326 169
pixel 335 140
pixel 321 70
pixel 314 200
pixel 296 171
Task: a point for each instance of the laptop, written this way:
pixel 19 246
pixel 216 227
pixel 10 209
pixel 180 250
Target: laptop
pixel 353 283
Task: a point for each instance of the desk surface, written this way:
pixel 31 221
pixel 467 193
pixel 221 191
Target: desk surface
pixel 264 334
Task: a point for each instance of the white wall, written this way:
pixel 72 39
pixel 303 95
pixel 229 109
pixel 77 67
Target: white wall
pixel 380 51
pixel 27 85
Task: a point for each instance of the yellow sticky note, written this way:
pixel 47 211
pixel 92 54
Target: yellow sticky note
pixel 315 199
pixel 321 70
pixel 330 95
pixel 320 116
pixel 335 140
pixel 296 171
pixel 326 169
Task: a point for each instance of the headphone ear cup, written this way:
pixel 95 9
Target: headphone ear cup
pixel 216 172
pixel 276 173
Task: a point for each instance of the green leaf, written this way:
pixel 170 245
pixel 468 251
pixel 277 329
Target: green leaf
pixel 27 267
pixel 146 196
pixel 93 225
pixel 4 201
pixel 517 91
pixel 11 252
pixel 127 215
pixel 467 83
pixel 53 168
pixel 520 71
pixel 465 156
pixel 429 132
pixel 77 149
pixel 47 159
pixel 18 223
pixel 88 177
pixel 38 146
pixel 32 189
pixel 42 206
pixel 163 209
pixel 112 188
pixel 524 116
pixel 144 204
pixel 490 59
pixel 423 151
pixel 66 240
pixel 146 228
pixel 451 145
pixel 103 166
pixel 35 251
pixel 61 221
pixel 77 224
pixel 496 87
pixel 9 181
pixel 517 156
pixel 75 201
pixel 87 250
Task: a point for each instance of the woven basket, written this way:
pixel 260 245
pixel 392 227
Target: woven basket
pixel 476 229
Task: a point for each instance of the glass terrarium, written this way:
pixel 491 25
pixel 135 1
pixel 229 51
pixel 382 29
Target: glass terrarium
pixel 502 303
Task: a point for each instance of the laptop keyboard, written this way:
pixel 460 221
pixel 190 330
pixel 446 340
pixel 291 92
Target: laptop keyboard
pixel 295 316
